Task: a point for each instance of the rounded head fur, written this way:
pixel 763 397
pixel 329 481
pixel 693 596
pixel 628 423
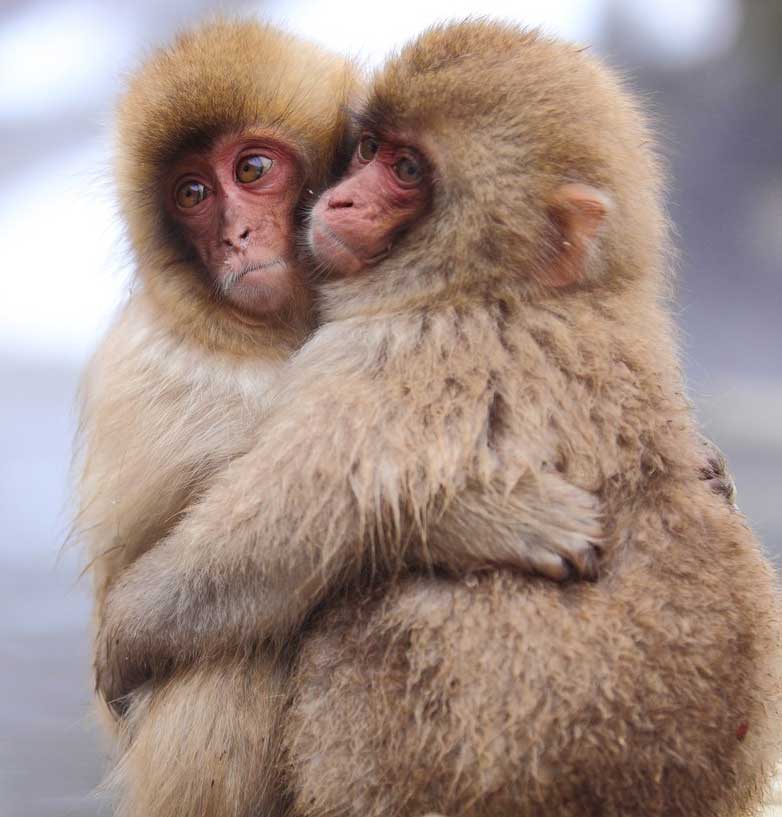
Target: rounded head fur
pixel 540 170
pixel 218 136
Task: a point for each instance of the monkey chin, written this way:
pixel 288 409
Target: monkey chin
pixel 331 252
pixel 261 291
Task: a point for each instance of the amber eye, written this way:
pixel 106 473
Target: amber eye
pixel 190 194
pixel 367 148
pixel 408 170
pixel 251 168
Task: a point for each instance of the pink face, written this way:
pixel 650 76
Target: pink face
pixel 387 187
pixel 235 204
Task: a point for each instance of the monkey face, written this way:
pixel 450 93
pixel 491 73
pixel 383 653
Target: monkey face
pixel 387 188
pixel 234 204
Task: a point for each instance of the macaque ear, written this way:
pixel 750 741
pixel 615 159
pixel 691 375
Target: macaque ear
pixel 577 212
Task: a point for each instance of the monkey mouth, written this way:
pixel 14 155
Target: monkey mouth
pixel 342 246
pixel 233 278
pixel 320 226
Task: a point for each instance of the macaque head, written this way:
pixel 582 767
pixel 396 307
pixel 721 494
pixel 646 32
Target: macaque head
pixel 488 154
pixel 220 137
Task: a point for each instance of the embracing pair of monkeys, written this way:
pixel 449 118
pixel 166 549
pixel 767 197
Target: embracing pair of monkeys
pixel 394 500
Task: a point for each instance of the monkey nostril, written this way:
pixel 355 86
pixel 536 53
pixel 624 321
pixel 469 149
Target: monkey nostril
pixel 337 202
pixel 233 242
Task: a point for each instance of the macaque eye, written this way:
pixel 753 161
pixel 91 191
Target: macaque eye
pixel 367 148
pixel 251 168
pixel 190 194
pixel 408 170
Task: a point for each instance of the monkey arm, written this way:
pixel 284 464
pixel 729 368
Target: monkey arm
pixel 284 526
pixel 281 529
pixel 225 585
pixel 248 561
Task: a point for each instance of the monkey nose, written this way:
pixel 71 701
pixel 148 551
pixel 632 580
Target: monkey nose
pixel 232 238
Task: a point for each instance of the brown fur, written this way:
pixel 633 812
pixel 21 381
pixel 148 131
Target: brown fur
pixel 180 376
pixel 456 392
pixel 655 690
pixel 177 388
pixel 201 743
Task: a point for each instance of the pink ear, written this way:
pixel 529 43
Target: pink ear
pixel 577 212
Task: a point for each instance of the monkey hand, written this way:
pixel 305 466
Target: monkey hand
pixel 170 609
pixel 715 471
pixel 117 672
pixel 565 532
pixel 553 531
pixel 560 555
pixel 561 540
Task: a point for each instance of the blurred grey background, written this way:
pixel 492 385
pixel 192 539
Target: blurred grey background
pixel 711 72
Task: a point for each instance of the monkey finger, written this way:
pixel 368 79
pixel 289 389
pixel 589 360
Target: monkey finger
pixel 103 686
pixel 716 471
pixel 716 461
pixel 116 677
pixel 584 558
pixel 579 553
pixel 106 686
pixel 551 565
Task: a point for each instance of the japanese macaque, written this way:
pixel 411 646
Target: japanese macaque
pixel 653 691
pixel 219 138
pixel 496 354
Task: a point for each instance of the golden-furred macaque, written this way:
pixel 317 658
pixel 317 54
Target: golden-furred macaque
pixel 653 691
pixel 219 136
pixel 496 353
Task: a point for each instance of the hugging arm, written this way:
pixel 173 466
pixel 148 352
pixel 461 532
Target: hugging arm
pixel 287 524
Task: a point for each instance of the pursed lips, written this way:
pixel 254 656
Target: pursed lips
pixel 233 278
pixel 318 224
pixel 275 262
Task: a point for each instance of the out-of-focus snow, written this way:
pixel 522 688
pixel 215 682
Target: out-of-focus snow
pixel 369 32
pixel 53 55
pixel 64 267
